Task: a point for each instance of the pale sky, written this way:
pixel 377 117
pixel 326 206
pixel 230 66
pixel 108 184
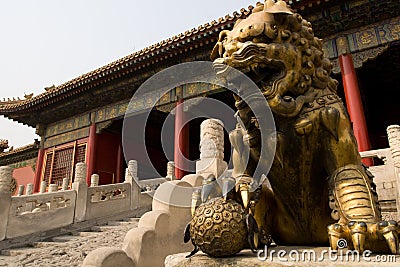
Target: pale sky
pixel 46 42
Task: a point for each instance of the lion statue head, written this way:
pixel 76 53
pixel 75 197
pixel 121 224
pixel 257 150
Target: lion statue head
pixel 277 49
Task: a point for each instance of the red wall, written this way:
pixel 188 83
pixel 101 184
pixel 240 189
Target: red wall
pixel 24 176
pixel 107 157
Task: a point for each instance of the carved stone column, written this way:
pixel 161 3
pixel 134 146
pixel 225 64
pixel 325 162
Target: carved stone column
pixel 131 176
pixel 53 188
pixel 21 189
pixel 353 97
pixel 43 186
pixel 81 188
pixel 94 180
pixel 5 179
pixel 211 148
pixel 170 171
pixel 29 189
pixel 65 184
pixel 132 170
pixel 5 198
pixel 393 132
pixel 80 173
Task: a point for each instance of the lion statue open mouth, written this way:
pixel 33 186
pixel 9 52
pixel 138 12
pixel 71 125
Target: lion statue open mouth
pixel 278 50
pixel 319 190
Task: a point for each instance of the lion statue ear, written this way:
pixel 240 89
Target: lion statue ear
pixel 219 47
pixel 279 7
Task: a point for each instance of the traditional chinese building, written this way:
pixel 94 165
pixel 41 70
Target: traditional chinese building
pixel 22 160
pixel 81 120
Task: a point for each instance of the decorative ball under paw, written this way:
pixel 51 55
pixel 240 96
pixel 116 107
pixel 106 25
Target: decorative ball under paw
pixel 218 227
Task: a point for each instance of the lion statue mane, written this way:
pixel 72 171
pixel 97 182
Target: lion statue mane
pixel 319 192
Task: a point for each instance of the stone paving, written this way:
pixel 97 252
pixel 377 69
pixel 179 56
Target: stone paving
pixel 69 250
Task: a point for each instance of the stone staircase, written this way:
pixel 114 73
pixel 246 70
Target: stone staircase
pixel 70 248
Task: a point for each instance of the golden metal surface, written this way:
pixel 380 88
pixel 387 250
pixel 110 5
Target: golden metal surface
pixel 321 193
pixel 218 227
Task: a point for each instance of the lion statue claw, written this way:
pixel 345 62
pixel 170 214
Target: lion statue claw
pixel 318 192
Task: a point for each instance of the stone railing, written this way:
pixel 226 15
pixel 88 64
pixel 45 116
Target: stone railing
pixel 160 231
pixel 385 179
pixel 147 189
pixel 151 185
pixel 387 175
pixel 107 200
pixel 33 213
pixel 40 212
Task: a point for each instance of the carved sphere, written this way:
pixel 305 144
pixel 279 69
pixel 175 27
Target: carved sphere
pixel 218 227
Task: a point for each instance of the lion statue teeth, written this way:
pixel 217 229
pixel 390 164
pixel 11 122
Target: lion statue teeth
pixel 319 193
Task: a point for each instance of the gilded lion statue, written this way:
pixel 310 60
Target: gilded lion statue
pixel 318 191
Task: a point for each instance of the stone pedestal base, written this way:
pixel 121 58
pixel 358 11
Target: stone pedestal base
pixel 285 256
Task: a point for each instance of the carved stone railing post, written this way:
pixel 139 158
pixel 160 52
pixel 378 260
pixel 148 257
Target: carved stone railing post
pixel 21 189
pixel 43 186
pixel 131 174
pixel 5 179
pixel 65 184
pixel 170 171
pixel 393 132
pixel 81 188
pixel 94 180
pixel 29 189
pixel 53 188
pixel 133 168
pixel 211 148
pixel 5 198
pixel 80 173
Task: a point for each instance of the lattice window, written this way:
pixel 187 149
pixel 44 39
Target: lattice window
pixel 80 155
pixel 60 162
pixel 62 165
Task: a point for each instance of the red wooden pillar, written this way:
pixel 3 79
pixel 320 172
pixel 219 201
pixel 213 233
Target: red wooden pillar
pixel 353 100
pixel 181 142
pixel 118 172
pixel 91 149
pixel 38 172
